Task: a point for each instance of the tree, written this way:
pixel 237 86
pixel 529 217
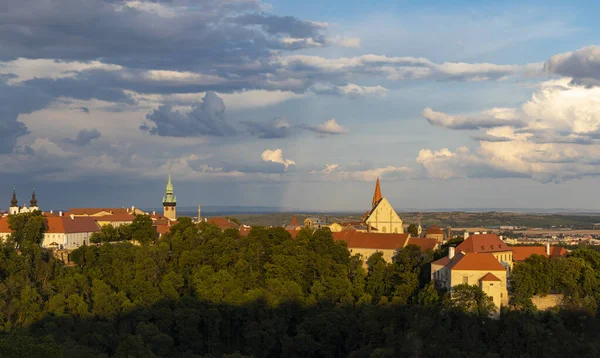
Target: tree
pixel 142 230
pixel 28 229
pixel 472 299
pixel 413 230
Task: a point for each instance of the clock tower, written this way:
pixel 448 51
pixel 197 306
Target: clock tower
pixel 170 201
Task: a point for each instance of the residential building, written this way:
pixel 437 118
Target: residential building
pixel 115 220
pixel 435 232
pixel 488 243
pixel 482 269
pixel 223 223
pixel 97 212
pixel 520 253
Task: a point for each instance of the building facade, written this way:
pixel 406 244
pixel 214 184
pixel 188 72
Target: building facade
pixel 382 215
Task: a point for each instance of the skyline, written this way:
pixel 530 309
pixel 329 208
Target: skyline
pixel 280 105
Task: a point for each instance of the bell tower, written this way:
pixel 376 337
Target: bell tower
pixel 14 207
pixel 170 201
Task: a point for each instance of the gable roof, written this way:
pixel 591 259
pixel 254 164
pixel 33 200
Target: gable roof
pixel 367 240
pixel 483 243
pixel 476 262
pixel 556 251
pixel 54 225
pixel 424 244
pixel 489 277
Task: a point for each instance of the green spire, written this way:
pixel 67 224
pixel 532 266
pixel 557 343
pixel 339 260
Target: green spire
pixel 169 197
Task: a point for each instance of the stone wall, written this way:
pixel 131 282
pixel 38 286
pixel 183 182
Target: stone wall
pixel 549 301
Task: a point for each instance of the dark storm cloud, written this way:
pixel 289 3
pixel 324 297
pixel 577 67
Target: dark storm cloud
pixel 198 36
pixel 582 65
pixel 276 128
pixel 84 137
pixel 206 118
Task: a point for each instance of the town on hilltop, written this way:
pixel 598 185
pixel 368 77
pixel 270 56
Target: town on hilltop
pixel 483 259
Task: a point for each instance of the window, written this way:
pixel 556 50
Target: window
pixel 465 279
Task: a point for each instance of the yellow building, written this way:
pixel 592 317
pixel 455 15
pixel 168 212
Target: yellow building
pixel 481 269
pixel 335 227
pixel 382 215
pixel 435 232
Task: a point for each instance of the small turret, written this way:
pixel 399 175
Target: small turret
pixel 377 195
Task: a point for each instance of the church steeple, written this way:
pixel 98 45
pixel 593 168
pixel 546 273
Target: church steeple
pixel 14 203
pixel 377 195
pixel 33 203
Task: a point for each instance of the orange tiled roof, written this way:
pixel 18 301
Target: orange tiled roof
pixel 54 225
pixel 245 230
pixel 162 229
pixel 294 221
pixel 434 230
pixel 489 277
pixel 475 261
pixel 4 226
pixel 483 243
pixel 520 253
pixel 366 240
pixel 424 244
pixel 222 223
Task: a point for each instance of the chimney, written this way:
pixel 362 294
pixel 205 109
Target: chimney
pixel 72 217
pixel 548 248
pixel 450 252
pixel 60 213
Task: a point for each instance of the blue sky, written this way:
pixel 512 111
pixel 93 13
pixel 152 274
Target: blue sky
pixel 301 104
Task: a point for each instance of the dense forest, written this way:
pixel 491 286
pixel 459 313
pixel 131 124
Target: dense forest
pixel 200 292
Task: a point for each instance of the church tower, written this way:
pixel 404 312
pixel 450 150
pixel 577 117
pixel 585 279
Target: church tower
pixel 14 207
pixel 33 204
pixel 170 201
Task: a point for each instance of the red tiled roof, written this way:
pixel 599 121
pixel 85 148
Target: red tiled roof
pixel 520 253
pixel 489 277
pixel 162 229
pixel 294 233
pixel 475 261
pixel 424 244
pixel 245 230
pixel 4 226
pixel 556 251
pixel 222 223
pixel 483 243
pixel 366 240
pixel 443 261
pixel 79 224
pixel 434 230
pixel 54 225
pixel 294 221
pixel 92 211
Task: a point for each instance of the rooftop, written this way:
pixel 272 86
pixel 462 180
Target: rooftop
pixel 366 240
pixel 483 243
pixel 475 262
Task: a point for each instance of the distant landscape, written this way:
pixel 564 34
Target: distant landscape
pixel 270 216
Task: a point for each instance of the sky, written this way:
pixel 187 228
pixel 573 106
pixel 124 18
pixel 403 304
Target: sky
pixel 300 105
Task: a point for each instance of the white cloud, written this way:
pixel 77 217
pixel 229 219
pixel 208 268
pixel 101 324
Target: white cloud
pixel 559 138
pixel 276 156
pixel 495 117
pixel 336 172
pixel 330 127
pixel 27 69
pixel 349 42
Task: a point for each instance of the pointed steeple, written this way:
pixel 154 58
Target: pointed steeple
pixel 169 185
pixel 377 194
pixel 14 202
pixel 294 221
pixel 33 203
pixel 169 197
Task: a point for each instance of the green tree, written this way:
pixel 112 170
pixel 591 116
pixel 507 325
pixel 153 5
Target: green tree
pixel 472 299
pixel 142 230
pixel 413 230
